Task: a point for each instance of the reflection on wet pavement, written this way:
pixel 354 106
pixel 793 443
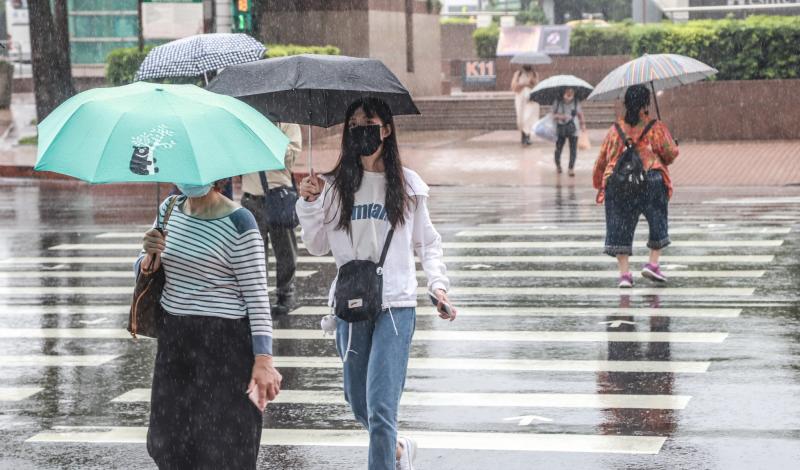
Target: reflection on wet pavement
pixel 548 366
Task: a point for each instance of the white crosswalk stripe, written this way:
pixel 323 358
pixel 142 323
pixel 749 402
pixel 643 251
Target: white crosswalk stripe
pixel 565 259
pixel 419 335
pixel 460 292
pixel 533 231
pixel 510 442
pixel 120 274
pixel 581 244
pixel 18 393
pixel 473 311
pixel 521 274
pixel 528 400
pixel 35 310
pixel 41 360
pixel 530 365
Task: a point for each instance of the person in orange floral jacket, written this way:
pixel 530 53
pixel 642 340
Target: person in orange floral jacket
pixel 657 150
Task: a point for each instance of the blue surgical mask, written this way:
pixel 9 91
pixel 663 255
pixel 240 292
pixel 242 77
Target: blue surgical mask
pixel 191 190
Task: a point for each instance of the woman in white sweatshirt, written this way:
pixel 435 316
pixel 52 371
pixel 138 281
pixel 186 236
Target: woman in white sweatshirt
pixel 349 212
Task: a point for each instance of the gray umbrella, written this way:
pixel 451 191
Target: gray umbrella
pixel 312 89
pixel 195 56
pixel 532 58
pixel 552 89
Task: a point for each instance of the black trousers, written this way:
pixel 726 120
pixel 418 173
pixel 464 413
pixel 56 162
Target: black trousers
pixel 284 245
pixel 200 415
pixel 573 149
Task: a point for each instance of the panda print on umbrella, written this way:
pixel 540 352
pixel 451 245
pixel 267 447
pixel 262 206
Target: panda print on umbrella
pixel 143 159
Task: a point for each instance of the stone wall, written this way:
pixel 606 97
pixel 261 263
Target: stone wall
pixel 733 110
pixel 591 69
pixel 457 42
pixel 364 28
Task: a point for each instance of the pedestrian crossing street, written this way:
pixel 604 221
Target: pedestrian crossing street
pixel 547 355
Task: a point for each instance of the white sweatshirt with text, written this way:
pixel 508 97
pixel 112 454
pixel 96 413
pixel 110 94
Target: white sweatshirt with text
pixel 369 226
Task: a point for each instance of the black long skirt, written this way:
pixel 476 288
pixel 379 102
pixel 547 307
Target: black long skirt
pixel 200 415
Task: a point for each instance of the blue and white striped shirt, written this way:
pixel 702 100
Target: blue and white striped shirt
pixel 217 268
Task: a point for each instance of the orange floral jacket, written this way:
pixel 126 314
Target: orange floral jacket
pixel 658 150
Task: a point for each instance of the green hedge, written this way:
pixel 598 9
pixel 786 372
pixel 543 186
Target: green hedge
pixel 756 48
pixel 486 41
pixel 122 64
pixel 282 50
pixel 594 41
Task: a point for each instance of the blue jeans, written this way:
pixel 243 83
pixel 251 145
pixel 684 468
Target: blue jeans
pixel 374 377
pixel 622 216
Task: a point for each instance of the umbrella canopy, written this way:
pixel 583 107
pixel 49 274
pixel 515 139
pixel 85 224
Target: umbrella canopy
pixel 532 58
pixel 552 89
pixel 661 71
pixel 196 55
pixel 147 132
pixel 312 89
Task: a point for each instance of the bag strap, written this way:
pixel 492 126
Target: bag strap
pixel 621 134
pixel 168 213
pixel 386 247
pixel 646 130
pixel 264 183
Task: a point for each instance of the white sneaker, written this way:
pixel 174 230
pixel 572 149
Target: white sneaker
pixel 406 460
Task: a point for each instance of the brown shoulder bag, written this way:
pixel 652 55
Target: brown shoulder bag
pixel 146 312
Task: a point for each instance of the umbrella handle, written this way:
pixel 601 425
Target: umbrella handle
pixel 310 156
pixel 655 100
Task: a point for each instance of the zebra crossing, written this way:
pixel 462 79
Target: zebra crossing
pixel 542 330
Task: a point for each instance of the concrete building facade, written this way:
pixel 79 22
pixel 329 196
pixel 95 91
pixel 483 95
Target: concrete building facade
pixel 404 34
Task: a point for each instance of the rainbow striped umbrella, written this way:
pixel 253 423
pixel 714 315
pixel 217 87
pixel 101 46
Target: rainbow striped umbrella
pixel 661 71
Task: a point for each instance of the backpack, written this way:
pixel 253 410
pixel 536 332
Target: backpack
pixel 628 176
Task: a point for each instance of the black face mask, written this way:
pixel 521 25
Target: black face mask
pixel 364 140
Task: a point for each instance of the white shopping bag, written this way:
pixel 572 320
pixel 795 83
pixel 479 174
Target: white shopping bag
pixel 545 128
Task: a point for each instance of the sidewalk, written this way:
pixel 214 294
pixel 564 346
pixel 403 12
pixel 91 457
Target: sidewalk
pixel 496 158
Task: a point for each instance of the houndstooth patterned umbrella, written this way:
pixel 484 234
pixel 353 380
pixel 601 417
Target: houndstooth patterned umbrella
pixel 195 55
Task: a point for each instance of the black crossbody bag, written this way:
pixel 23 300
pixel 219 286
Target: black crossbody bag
pixel 279 204
pixel 359 288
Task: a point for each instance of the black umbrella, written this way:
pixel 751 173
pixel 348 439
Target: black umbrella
pixel 312 89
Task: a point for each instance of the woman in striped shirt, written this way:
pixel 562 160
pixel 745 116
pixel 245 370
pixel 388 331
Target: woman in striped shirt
pixel 213 373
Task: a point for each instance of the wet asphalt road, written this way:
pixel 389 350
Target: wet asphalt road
pixel 702 374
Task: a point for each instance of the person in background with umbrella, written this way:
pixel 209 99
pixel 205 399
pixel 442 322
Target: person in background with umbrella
pixel 657 150
pixel 351 212
pixel 522 84
pixel 570 123
pixel 284 243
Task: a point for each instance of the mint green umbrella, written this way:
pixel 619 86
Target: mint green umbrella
pixel 147 132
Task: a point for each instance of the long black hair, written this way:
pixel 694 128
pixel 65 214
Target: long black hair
pixel 349 171
pixel 636 98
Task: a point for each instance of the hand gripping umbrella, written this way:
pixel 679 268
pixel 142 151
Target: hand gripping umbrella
pixel 149 133
pixel 310 89
pixel 551 89
pixel 197 55
pixel 661 71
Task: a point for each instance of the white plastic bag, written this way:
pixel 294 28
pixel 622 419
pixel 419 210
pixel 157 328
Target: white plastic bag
pixel 545 128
